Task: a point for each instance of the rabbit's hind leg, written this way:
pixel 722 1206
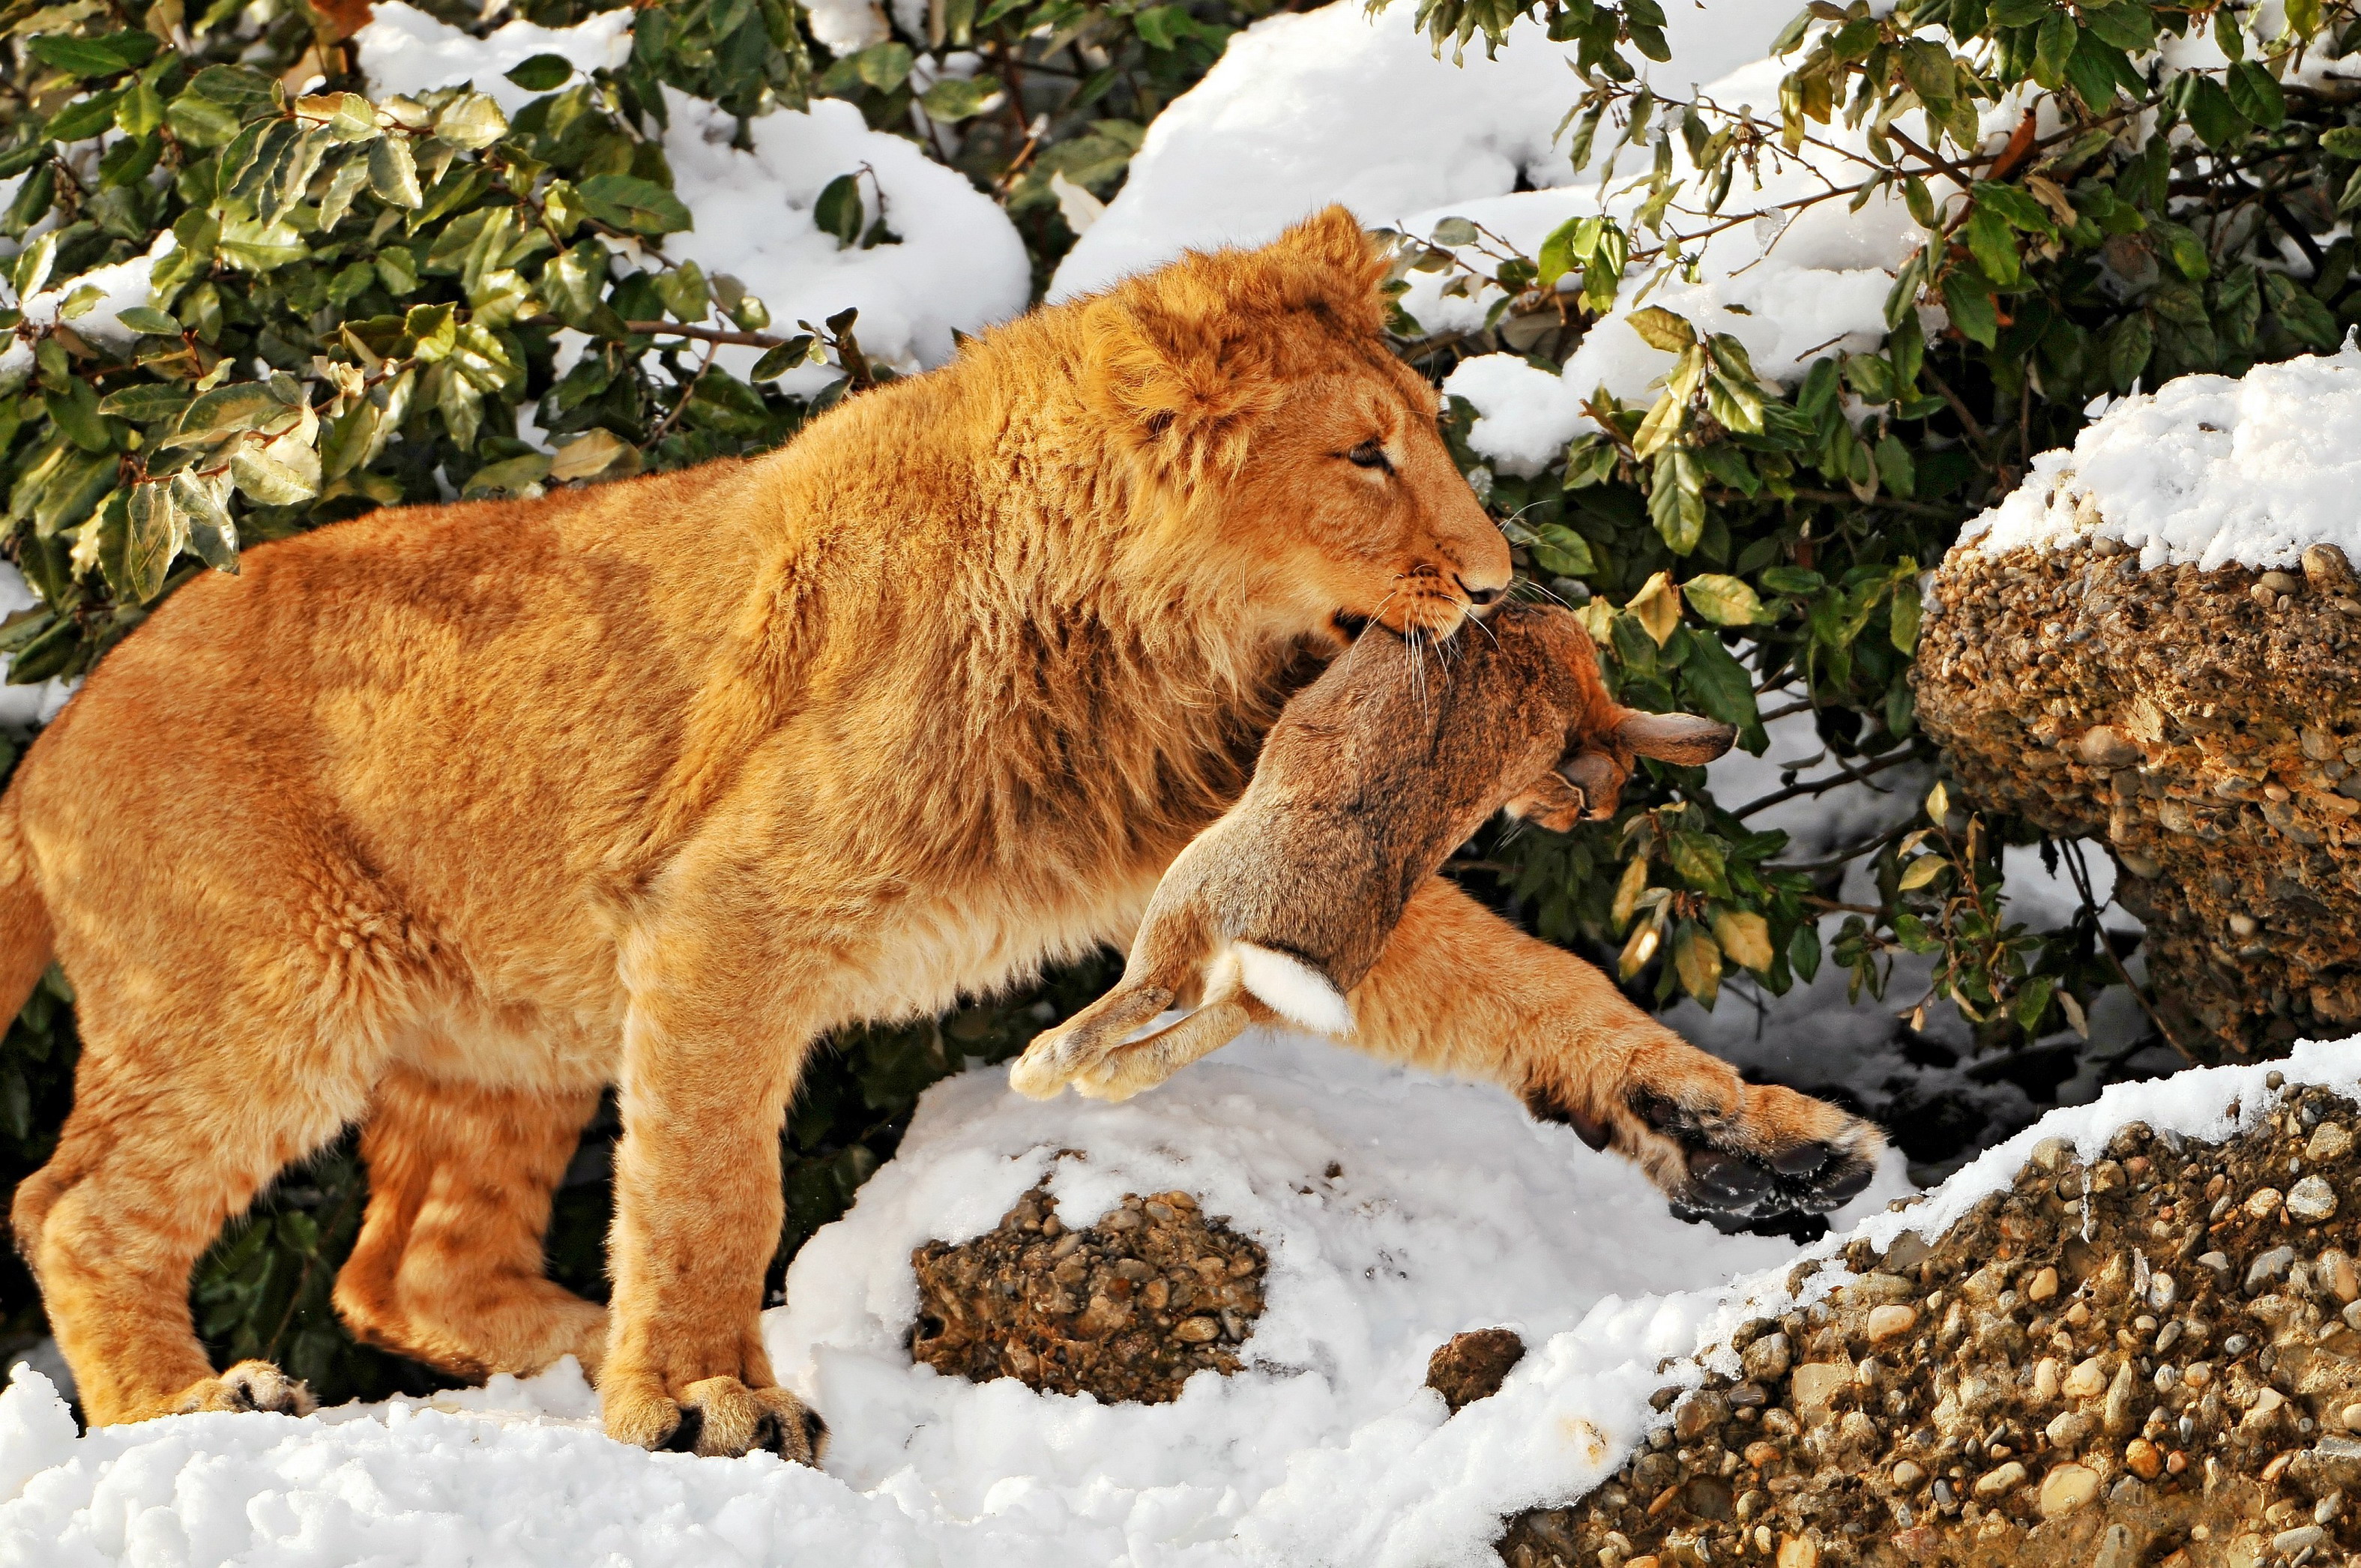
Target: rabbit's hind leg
pixel 1229 1009
pixel 1058 1055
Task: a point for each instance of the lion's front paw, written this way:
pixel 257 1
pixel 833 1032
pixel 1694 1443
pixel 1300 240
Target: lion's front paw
pixel 1776 1152
pixel 715 1418
pixel 250 1386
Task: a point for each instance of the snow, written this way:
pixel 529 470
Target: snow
pixel 847 26
pixel 120 287
pixel 2205 471
pixel 1450 1210
pixel 959 265
pixel 405 51
pixel 25 707
pixel 1340 105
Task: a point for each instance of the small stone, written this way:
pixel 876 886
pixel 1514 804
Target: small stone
pixel 2044 1285
pixel 2351 1418
pixel 1906 1476
pixel 2263 1203
pixel 2121 1413
pixel 2104 746
pixel 2279 583
pixel 1814 1385
pixel 1198 1331
pixel 2144 1459
pixel 1768 1358
pixel 2275 1081
pixel 2312 1201
pixel 2288 1542
pixel 1909 1250
pixel 2116 1550
pixel 2047 1379
pixel 2066 1488
pixel 1892 1320
pixel 2326 568
pixel 2219 1262
pixel 2269 1267
pixel 1762 1456
pixel 1798 1551
pixel 2329 1142
pixel 2139 865
pixel 1998 1483
pixel 1698 1414
pixel 2087 1381
pixel 2068 1431
pixel 2236 1345
pixel 2054 1154
pixel 1471 1367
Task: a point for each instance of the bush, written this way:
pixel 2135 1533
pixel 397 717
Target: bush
pixel 2127 221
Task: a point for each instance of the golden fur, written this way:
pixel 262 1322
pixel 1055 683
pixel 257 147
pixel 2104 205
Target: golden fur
pixel 439 819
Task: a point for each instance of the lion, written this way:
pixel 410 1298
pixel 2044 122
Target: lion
pixel 439 820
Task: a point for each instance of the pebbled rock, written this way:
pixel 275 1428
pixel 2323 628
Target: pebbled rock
pixel 1471 1367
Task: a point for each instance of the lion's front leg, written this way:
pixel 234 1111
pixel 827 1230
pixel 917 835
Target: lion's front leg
pixel 1460 991
pixel 711 1052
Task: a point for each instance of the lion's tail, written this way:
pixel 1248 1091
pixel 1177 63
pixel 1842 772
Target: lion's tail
pixel 26 942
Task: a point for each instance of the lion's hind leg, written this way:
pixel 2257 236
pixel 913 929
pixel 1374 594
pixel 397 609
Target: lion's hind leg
pixel 448 1268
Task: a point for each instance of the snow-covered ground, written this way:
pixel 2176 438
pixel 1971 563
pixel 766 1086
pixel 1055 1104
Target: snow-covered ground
pixel 2207 470
pixel 1448 1210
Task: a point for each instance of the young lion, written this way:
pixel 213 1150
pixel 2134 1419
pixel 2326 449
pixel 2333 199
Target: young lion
pixel 437 821
pixel 1373 774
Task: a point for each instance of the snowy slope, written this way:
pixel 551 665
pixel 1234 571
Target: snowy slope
pixel 2206 470
pixel 1451 1210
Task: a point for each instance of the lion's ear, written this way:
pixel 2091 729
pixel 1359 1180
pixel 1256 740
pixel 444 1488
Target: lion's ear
pixel 1178 373
pixel 1343 268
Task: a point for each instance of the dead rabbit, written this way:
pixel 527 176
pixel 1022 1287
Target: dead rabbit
pixel 1371 777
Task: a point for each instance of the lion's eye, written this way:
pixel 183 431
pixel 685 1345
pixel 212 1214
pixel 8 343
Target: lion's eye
pixel 1370 454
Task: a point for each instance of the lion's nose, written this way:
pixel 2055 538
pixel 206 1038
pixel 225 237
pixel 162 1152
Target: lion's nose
pixel 1479 598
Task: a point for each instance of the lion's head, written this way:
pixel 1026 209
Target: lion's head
pixel 1256 388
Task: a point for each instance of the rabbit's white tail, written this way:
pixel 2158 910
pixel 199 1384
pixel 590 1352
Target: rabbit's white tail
pixel 1296 990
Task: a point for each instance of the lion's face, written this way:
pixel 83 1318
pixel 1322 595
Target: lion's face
pixel 1258 385
pixel 1355 497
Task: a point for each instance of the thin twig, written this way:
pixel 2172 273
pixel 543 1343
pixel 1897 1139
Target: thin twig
pixel 2072 853
pixel 1821 787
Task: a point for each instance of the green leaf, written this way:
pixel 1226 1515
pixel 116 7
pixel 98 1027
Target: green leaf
pixel 1676 501
pixel 1660 328
pixel 1993 244
pixel 79 121
pixel 952 99
pixel 225 411
pixel 154 535
pixel 2212 114
pixel 2052 50
pixel 2343 141
pixel 2253 92
pixel 542 72
pixel 513 475
pixel 1720 687
pixel 393 172
pixel 472 121
pixel 148 401
pixel 2033 999
pixel 199 122
pixel 1724 600
pixel 628 202
pixel 2129 343
pixel 74 411
pixel 1699 862
pixel 799 350
pixel 1804 951
pixel 1970 302
pixel 838 210
pixel 106 56
pixel 2129 24
pixel 210 532
pixel 1696 959
pixel 1904 616
pixel 1562 552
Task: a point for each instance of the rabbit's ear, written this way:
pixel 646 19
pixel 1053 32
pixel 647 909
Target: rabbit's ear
pixel 1681 738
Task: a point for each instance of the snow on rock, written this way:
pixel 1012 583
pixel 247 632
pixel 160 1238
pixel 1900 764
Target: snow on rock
pixel 2206 471
pixel 405 52
pixel 959 264
pixel 1340 104
pixel 1448 1210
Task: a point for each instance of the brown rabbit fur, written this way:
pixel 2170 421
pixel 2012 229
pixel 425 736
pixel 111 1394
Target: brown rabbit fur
pixel 440 819
pixel 1373 775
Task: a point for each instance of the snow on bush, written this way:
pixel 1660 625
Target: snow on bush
pixel 2207 471
pixel 1449 1211
pixel 957 263
pixel 1346 105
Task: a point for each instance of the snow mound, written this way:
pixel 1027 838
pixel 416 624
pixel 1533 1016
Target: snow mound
pixel 1448 1210
pixel 2205 471
pixel 1340 104
pixel 958 266
pixel 404 51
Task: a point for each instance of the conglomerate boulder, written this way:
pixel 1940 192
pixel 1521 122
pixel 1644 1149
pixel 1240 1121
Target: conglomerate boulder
pixel 2206 726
